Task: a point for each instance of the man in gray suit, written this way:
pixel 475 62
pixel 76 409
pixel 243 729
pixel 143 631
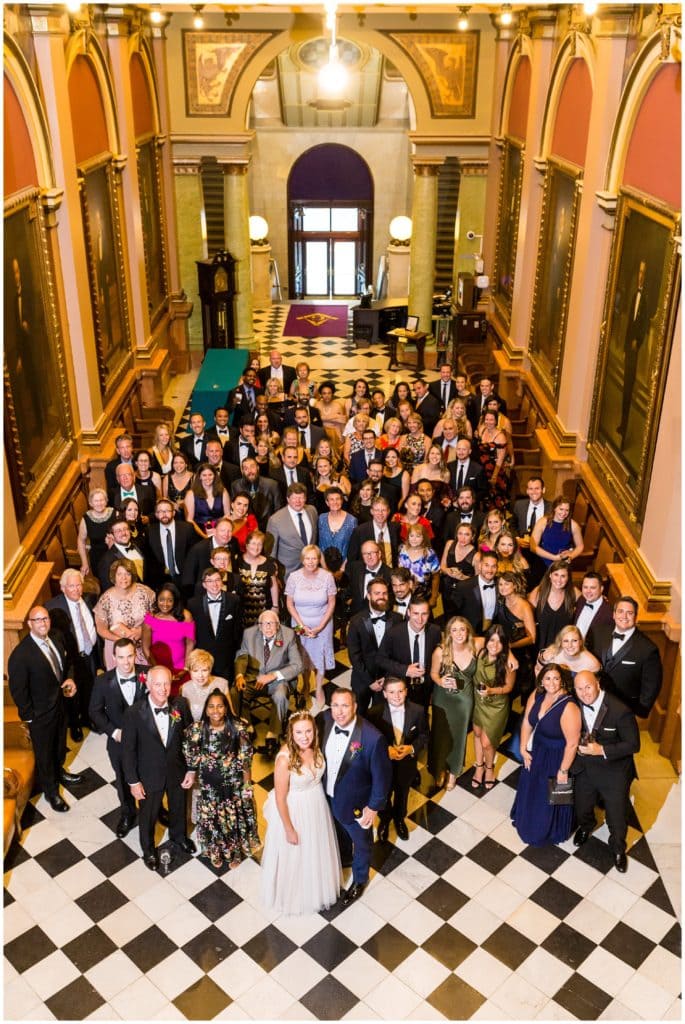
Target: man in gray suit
pixel 269 660
pixel 293 527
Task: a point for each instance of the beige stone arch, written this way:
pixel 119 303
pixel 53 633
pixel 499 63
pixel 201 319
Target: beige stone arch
pixel 138 43
pixel 576 44
pixel 84 43
pixel 20 78
pixel 523 47
pixel 658 49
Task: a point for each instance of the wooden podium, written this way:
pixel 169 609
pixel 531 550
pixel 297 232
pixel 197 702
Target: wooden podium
pixel 417 337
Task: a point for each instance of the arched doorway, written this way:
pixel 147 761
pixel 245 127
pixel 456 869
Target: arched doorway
pixel 330 223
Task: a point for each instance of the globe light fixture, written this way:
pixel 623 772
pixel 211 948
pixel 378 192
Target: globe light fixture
pixel 259 230
pixel 506 17
pixel 400 230
pixel 332 75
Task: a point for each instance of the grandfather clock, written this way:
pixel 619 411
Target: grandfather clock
pixel 216 283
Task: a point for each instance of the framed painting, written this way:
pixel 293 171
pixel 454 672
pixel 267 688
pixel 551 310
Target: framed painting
pixel 213 62
pixel 102 232
pixel 638 325
pixel 511 177
pixel 37 420
pixel 448 64
pixel 152 217
pixel 556 247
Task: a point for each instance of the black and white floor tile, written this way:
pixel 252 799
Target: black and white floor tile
pixel 461 921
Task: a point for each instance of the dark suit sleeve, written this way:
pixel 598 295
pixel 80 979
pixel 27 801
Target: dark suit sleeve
pixel 96 708
pixel 354 547
pixel 420 740
pixel 19 673
pixel 381 771
pixel 387 664
pixel 652 677
pixel 628 742
pixel 356 651
pixel 129 745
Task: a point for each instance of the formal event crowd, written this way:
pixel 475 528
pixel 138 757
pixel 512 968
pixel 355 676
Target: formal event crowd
pixel 215 573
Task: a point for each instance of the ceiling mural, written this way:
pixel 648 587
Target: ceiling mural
pixel 448 64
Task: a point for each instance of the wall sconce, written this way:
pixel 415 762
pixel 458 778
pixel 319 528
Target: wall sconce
pixel 506 17
pixel 259 230
pixel 589 9
pixel 198 20
pixel 463 21
pixel 400 229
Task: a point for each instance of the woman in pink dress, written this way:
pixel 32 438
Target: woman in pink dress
pixel 310 597
pixel 169 635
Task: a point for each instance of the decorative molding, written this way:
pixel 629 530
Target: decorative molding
pixel 607 201
pixel 95 438
pixel 234 167
pixel 565 440
pixel 655 593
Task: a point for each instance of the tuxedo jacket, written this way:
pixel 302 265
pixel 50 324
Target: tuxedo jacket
pixel 32 683
pixel 187 447
pixel 223 644
pixel 105 564
pixel 233 455
pixel 635 673
pixel 107 704
pixel 285 656
pixel 356 574
pixel 452 520
pixel 288 545
pixel 367 531
pixel 145 496
pixel 358 466
pixel 289 375
pixel 436 515
pixel 474 476
pixel 602 619
pixel 395 654
pixel 429 409
pixel 468 603
pixel 145 758
pixel 435 388
pixel 363 648
pixel 212 434
pixel 415 731
pixel 316 434
pixel 473 408
pixel 184 539
pixel 198 559
pixel 519 516
pixel 302 476
pixel 365 773
pixel 616 730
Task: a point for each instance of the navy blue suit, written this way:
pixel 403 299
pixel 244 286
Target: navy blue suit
pixel 363 781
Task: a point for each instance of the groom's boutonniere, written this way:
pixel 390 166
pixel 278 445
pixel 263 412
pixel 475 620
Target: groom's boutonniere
pixel 354 749
pixel 174 716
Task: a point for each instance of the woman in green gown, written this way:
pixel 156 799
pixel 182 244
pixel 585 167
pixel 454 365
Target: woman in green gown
pixel 452 670
pixel 493 679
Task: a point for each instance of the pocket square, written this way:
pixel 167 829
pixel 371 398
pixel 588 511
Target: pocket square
pixel 228 617
pixel 609 728
pixel 627 662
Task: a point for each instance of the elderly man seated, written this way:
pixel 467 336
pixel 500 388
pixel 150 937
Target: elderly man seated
pixel 269 661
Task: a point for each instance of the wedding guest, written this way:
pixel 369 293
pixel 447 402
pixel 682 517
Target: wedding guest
pixel 405 729
pixel 494 680
pixel 453 668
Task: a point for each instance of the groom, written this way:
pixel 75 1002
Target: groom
pixel 357 781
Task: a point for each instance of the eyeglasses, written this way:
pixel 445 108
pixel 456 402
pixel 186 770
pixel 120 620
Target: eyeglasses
pixel 44 618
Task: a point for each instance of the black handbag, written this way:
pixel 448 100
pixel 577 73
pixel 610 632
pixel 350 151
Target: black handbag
pixel 559 793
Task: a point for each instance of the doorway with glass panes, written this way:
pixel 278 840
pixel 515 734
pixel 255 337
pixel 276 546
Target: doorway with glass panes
pixel 330 211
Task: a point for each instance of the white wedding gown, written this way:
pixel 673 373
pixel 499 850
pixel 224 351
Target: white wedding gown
pixel 302 878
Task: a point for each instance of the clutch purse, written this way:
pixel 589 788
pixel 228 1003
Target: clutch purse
pixel 559 793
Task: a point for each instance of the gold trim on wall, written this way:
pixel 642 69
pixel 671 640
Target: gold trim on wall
pixel 508 213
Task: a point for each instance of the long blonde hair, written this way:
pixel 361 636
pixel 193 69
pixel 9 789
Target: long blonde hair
pixel 294 755
pixel 446 642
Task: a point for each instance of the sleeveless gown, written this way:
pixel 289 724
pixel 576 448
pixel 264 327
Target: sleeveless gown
pixel 452 714
pixel 305 878
pixel 538 822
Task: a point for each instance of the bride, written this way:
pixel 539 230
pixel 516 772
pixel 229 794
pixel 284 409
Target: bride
pixel 301 863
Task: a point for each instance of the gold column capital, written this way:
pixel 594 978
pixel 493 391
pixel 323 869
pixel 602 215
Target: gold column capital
pixel 427 166
pixel 234 167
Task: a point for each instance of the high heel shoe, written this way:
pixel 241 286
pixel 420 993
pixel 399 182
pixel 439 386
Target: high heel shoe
pixel 489 783
pixel 451 782
pixel 477 783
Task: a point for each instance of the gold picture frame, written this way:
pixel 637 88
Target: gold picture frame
pixel 635 348
pixel 39 431
pixel 553 272
pixel 508 210
pixel 154 227
pixel 212 64
pixel 448 65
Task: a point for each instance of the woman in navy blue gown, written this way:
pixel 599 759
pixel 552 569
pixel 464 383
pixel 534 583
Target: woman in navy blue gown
pixel 549 738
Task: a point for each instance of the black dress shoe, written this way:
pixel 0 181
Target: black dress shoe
pixel 163 817
pixel 57 803
pixel 621 862
pixel 69 778
pixel 402 830
pixel 352 894
pixel 151 861
pixel 125 825
pixel 582 835
pixel 76 733
pixel 383 830
pixel 188 846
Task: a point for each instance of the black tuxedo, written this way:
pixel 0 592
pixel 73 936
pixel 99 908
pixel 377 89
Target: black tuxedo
pixel 635 673
pixel 475 405
pixel 436 515
pixel 415 734
pixel 225 642
pixel 367 531
pixel 289 375
pixel 602 618
pixel 609 776
pixel 429 411
pixel 454 518
pixel 473 476
pixel 356 574
pixel 105 564
pixel 213 435
pixel 40 701
pixel 84 665
pixel 158 767
pixel 199 558
pixel 363 651
pixel 145 496
pixel 302 476
pixel 107 709
pixel 184 539
pixel 435 388
pixel 395 656
pixel 187 447
pixel 468 603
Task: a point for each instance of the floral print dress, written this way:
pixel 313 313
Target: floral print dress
pixel 226 818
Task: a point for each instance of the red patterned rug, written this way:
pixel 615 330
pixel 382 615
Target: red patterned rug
pixel 316 321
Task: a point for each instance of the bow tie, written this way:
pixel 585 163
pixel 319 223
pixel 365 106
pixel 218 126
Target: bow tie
pixel 213 600
pixel 591 607
pixel 379 618
pixel 590 707
pixel 618 636
pixel 371 572
pixel 128 547
pixel 128 494
pixel 127 679
pixel 488 586
pixel 466 515
pixel 198 440
pixel 162 711
pixel 343 732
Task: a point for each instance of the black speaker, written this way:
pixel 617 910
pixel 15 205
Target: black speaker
pixel 466 292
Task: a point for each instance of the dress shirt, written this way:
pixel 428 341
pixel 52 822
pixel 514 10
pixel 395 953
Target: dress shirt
pixel 539 510
pixel 277 372
pixel 161 721
pixel 296 522
pixel 290 475
pixel 379 624
pixel 465 517
pixel 81 616
pixel 488 597
pixel 397 718
pixel 422 647
pixel 197 445
pixel 336 746
pixel 402 607
pixel 54 656
pixel 587 615
pixel 590 711
pixel 214 613
pixel 243 449
pixel 616 645
pixel 128 689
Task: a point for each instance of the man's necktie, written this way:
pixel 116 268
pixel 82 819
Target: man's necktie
pixel 162 711
pixel 52 658
pixel 342 732
pixel 532 520
pixel 415 653
pixel 267 651
pixel 171 564
pixel 303 439
pixel 197 441
pixel 460 476
pixel 250 401
pixel 445 389
pixel 301 527
pixel 618 636
pixel 292 479
pixel 85 634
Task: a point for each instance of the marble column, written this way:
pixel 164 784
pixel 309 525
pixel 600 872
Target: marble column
pixel 471 217
pixel 424 216
pixel 189 205
pixel 237 237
